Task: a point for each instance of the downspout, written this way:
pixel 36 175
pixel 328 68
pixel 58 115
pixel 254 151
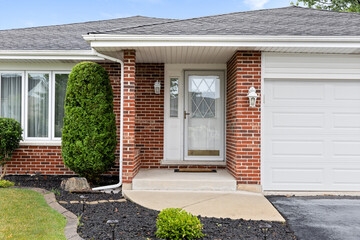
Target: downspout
pixel 121 121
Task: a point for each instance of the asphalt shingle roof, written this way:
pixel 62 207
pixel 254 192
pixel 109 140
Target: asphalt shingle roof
pixel 64 37
pixel 288 21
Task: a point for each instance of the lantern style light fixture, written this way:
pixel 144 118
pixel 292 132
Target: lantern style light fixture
pixel 157 87
pixel 252 97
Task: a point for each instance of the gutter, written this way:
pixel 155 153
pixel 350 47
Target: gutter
pixel 217 38
pixel 121 121
pixel 252 41
pixel 79 55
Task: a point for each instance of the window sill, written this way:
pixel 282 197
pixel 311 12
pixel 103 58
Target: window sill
pixel 41 143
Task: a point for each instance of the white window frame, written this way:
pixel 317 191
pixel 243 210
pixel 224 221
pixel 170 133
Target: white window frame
pixel 24 106
pixel 178 93
pixel 53 103
pixel 22 93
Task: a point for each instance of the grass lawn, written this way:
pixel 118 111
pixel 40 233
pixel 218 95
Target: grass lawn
pixel 24 214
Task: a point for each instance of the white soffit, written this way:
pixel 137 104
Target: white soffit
pixel 203 54
pixel 217 49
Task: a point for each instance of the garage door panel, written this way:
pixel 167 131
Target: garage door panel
pixel 346 176
pixel 341 122
pixel 297 92
pixel 281 121
pixel 298 120
pixel 313 179
pixel 349 91
pixel 346 149
pixel 297 148
pixel 349 120
pixel 296 176
pixel 312 93
pixel 311 143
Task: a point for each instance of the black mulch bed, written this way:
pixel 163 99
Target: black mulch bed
pixel 136 222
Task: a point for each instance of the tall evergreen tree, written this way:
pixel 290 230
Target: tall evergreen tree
pixel 89 132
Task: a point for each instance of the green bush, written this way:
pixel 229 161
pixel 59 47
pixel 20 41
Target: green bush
pixel 10 137
pixel 175 223
pixel 89 131
pixel 6 184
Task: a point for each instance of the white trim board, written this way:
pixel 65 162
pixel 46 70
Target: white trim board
pixel 49 55
pixel 36 66
pixel 108 40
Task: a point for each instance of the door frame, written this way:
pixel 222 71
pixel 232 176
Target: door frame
pixel 170 139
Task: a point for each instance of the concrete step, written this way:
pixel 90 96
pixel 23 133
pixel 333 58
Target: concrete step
pixel 167 179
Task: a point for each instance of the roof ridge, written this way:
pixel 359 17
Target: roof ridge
pixel 183 20
pixel 144 25
pixel 67 24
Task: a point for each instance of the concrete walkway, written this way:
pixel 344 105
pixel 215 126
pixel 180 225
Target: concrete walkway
pixel 235 205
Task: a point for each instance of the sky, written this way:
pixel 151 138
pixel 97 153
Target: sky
pixel 32 13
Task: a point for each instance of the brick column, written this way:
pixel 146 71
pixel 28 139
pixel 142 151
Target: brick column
pixel 130 164
pixel 243 124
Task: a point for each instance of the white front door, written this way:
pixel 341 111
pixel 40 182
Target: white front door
pixel 204 115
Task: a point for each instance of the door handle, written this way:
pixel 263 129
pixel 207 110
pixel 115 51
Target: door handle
pixel 185 114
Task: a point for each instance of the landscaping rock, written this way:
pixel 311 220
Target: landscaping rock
pixel 75 184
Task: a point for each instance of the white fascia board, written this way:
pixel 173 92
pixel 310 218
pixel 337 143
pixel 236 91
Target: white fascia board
pixel 49 54
pixel 105 40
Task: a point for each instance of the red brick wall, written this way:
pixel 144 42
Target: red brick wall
pixel 149 114
pixel 34 159
pixel 243 124
pixel 131 160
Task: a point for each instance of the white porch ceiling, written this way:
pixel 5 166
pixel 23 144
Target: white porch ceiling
pixel 210 54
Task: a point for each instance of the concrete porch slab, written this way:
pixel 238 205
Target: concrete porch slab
pixel 234 205
pixel 167 179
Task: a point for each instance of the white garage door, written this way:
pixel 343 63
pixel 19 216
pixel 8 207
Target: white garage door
pixel 311 135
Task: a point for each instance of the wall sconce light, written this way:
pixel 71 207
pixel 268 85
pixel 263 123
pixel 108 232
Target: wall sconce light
pixel 252 97
pixel 157 87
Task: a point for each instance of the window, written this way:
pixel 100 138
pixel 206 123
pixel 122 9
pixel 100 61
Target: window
pixel 11 87
pixel 204 91
pixel 174 97
pixel 60 92
pixel 36 99
pixel 38 105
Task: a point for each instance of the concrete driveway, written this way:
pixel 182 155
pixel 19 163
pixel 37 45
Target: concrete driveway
pixel 320 218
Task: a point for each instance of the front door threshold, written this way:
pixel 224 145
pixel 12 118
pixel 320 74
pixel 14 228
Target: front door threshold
pixel 193 163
